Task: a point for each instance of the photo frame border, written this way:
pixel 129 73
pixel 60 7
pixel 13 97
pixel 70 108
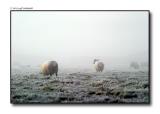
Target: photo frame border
pixel 149 57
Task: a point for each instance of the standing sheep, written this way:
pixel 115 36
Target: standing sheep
pixel 49 68
pixel 99 66
pixel 134 65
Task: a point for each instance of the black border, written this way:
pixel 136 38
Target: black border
pixel 149 55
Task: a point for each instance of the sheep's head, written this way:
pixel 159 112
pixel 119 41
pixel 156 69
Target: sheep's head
pixel 95 60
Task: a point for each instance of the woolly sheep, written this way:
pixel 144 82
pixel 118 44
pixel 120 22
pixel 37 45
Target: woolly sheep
pixel 49 68
pixel 99 66
pixel 134 65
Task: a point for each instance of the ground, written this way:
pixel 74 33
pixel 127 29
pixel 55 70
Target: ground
pixel 80 87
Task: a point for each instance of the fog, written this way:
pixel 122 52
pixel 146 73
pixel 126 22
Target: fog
pixel 74 39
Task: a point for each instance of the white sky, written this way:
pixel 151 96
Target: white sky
pixel 64 36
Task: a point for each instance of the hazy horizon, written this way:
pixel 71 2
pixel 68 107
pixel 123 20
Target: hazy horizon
pixel 74 39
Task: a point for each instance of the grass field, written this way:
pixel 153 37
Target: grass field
pixel 80 87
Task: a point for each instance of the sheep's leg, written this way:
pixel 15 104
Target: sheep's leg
pixel 56 74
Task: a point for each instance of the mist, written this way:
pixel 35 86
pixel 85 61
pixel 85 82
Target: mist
pixel 74 39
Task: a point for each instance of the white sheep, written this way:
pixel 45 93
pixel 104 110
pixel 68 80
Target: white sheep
pixel 49 68
pixel 99 66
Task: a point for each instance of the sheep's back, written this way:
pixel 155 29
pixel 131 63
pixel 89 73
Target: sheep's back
pixel 99 66
pixel 53 67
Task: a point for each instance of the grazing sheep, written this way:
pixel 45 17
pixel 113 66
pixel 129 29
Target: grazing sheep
pixel 49 68
pixel 134 65
pixel 99 66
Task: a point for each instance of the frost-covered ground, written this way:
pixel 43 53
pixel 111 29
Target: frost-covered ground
pixel 29 86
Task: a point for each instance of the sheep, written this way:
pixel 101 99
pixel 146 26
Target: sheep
pixel 134 65
pixel 99 66
pixel 49 68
